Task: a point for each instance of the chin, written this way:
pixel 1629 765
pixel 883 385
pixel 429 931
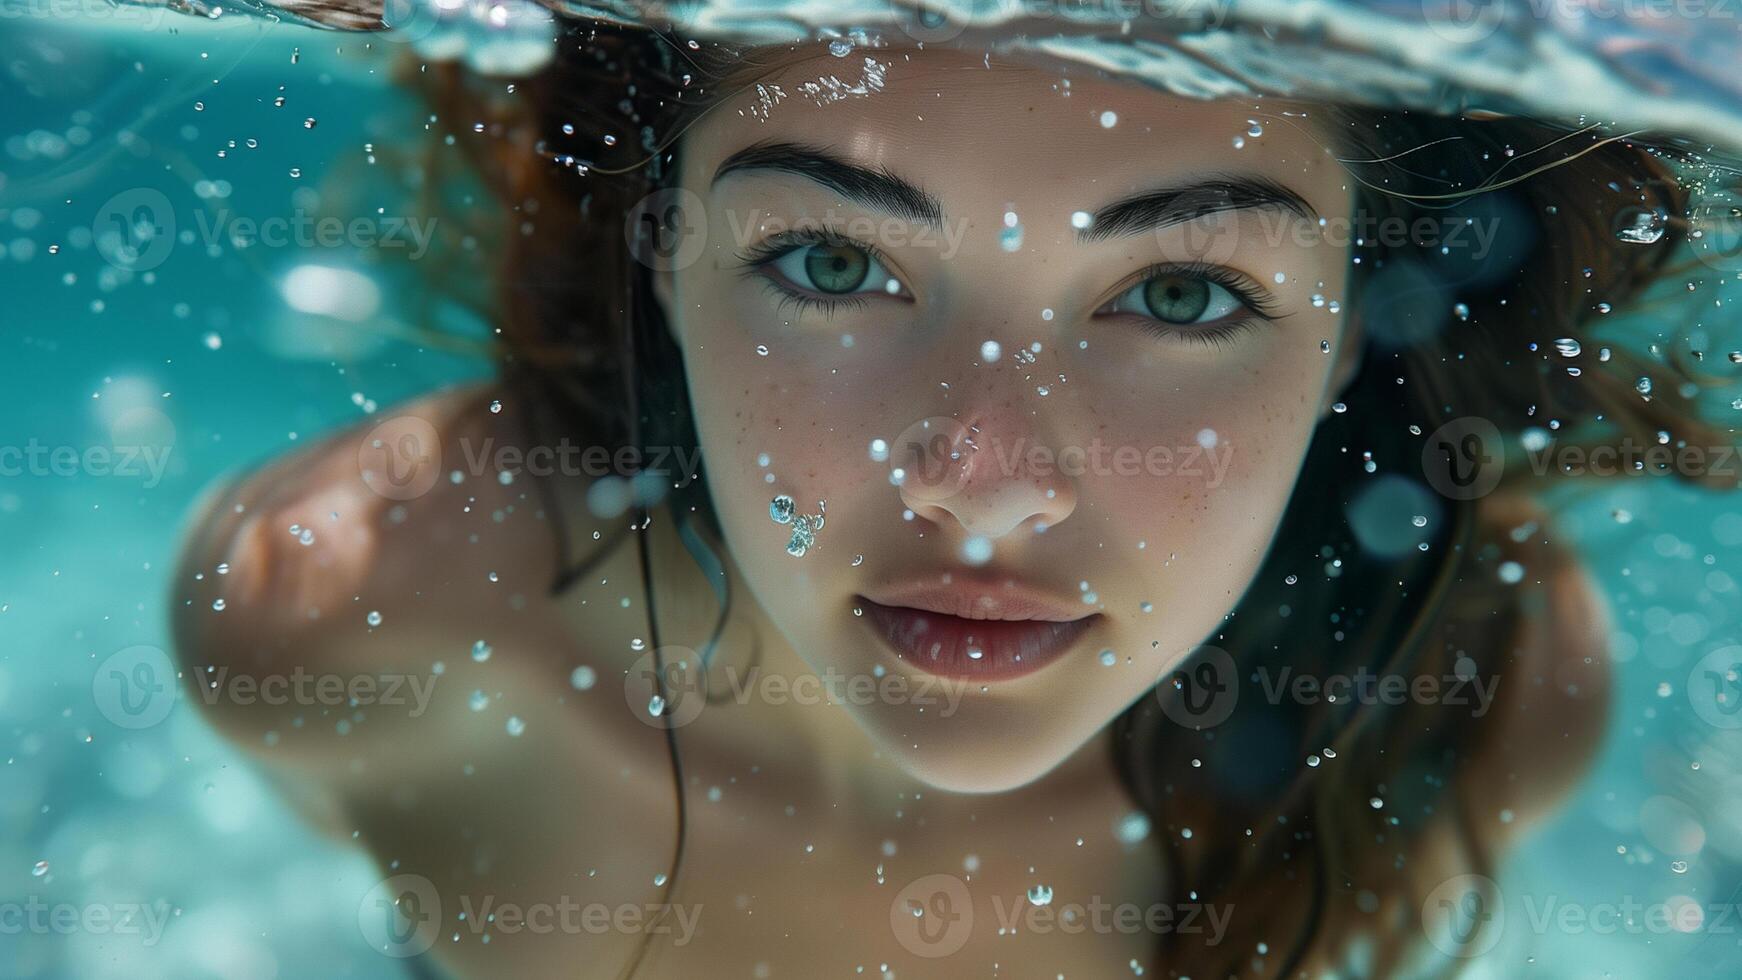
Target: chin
pixel 968 755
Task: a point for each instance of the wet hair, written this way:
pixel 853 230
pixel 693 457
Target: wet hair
pixel 1322 877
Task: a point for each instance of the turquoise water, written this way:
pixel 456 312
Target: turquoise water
pixel 206 361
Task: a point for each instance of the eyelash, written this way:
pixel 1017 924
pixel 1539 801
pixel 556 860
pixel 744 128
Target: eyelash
pixel 797 302
pixel 765 253
pixel 1259 305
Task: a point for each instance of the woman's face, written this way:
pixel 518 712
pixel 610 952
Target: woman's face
pixel 1093 327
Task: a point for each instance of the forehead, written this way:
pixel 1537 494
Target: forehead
pixel 973 128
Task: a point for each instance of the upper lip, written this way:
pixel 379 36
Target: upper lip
pixel 981 597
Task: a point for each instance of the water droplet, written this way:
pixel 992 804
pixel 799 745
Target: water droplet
pixel 583 678
pixel 1679 867
pixel 1040 895
pixel 223 568
pixel 991 351
pixel 1376 803
pixel 478 701
pixel 1324 347
pixel 977 550
pixel 1639 226
pixel 1568 347
pixel 762 349
pixel 840 48
pixel 1109 119
pixel 39 870
pixel 781 509
pixel 515 727
pixel 308 123
pixel 1643 386
pixel 858 560
pixel 374 618
pixel 495 408
pixel 1109 658
pixel 659 881
pixel 481 651
pixel 656 706
pixel 217 605
pixel 1461 311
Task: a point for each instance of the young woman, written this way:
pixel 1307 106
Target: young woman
pixel 1068 454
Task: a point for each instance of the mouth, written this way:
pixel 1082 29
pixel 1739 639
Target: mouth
pixel 976 634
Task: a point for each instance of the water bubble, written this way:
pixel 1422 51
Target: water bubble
pixel 218 605
pixel 840 48
pixel 879 451
pixel 478 701
pixel 1511 572
pixel 858 560
pixel 583 678
pixel 1643 386
pixel 1040 895
pixel 1639 226
pixel 308 123
pixel 975 653
pixel 991 351
pixel 374 618
pixel 481 651
pixel 1568 347
pixel 1132 828
pixel 1324 347
pixel 1081 220
pixel 781 509
pixel 1461 311
pixel 223 568
pixel 977 550
pixel 40 869
pixel 1109 119
pixel 656 706
pixel 515 727
pixel 1254 129
pixel 1208 438
pixel 1679 867
pixel 1109 658
pixel 762 350
pixel 495 408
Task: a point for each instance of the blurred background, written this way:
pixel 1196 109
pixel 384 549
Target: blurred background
pixel 173 313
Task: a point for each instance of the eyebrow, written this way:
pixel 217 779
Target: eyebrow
pixel 1157 209
pixel 877 189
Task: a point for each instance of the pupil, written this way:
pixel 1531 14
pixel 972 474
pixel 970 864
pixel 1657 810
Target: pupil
pixel 1175 299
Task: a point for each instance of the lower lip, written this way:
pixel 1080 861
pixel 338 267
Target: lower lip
pixel 947 645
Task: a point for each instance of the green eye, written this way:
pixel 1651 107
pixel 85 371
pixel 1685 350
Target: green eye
pixel 1179 299
pixel 1176 299
pixel 836 268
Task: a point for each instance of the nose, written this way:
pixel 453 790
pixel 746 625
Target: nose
pixel 986 476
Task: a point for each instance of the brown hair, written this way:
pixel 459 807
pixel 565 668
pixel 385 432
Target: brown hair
pixel 1318 872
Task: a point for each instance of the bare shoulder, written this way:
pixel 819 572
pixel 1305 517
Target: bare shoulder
pixel 1551 696
pixel 388 548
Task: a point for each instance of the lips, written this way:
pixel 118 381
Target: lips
pixel 976 633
